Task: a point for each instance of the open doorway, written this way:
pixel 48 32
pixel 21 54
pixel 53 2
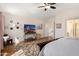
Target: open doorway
pixel 72 30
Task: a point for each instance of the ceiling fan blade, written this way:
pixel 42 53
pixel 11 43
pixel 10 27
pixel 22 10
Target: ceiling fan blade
pixel 51 3
pixel 45 3
pixel 41 6
pixel 53 7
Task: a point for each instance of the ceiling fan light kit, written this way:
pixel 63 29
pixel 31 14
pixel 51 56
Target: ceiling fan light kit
pixel 51 3
pixel 45 9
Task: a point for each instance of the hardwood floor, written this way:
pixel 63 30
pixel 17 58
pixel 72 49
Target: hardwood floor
pixel 8 50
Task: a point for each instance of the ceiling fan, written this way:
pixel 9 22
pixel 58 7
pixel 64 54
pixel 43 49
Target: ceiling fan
pixel 48 5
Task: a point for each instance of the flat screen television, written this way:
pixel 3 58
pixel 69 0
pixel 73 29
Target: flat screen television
pixel 29 28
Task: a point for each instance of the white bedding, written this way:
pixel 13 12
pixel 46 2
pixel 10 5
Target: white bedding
pixel 61 47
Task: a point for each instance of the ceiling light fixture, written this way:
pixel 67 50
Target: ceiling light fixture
pixel 47 6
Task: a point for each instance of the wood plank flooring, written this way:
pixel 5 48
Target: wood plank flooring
pixel 8 50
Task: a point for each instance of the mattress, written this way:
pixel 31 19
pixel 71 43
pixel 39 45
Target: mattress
pixel 61 47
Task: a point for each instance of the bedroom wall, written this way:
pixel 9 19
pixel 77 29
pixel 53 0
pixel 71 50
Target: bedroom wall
pixel 60 32
pixel 19 33
pixel 49 28
pixel 61 18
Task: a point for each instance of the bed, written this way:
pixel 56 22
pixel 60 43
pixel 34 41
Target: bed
pixel 61 47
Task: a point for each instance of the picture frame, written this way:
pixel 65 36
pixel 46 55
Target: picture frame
pixel 39 26
pixel 58 25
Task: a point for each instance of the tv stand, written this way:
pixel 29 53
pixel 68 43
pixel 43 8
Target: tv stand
pixel 29 36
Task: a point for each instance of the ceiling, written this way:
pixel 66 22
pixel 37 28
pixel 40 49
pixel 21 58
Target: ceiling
pixel 30 10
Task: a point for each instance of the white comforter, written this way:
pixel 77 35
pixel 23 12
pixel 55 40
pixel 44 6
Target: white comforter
pixel 61 47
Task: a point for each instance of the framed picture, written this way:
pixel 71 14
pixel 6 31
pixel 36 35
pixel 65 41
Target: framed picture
pixel 39 26
pixel 59 25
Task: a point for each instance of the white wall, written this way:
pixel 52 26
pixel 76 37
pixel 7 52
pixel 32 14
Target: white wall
pixel 60 32
pixel 49 28
pixel 18 33
pixel 54 32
